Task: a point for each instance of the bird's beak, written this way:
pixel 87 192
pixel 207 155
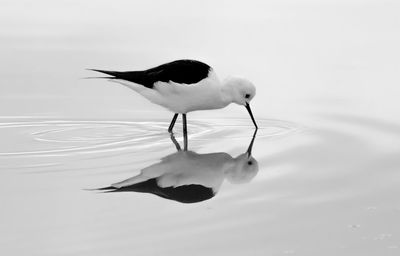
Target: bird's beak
pixel 251 144
pixel 251 114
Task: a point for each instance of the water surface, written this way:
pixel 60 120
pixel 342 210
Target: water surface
pixel 327 148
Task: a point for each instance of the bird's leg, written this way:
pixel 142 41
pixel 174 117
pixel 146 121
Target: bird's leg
pixel 171 126
pixel 178 147
pixel 185 138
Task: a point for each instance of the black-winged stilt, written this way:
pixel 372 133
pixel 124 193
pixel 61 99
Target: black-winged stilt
pixel 183 86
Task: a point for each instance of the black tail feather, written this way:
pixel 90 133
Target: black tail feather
pixel 111 73
pixel 107 189
pixel 139 77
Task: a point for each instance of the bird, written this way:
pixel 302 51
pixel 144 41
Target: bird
pixel 190 177
pixel 186 85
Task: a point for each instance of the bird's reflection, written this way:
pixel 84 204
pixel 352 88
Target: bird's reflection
pixel 189 177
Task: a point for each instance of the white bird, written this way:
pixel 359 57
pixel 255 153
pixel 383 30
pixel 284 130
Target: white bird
pixel 189 177
pixel 183 86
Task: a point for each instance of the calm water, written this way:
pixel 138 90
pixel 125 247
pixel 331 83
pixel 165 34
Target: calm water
pixel 327 151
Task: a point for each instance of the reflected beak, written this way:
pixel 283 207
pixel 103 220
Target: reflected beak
pixel 251 144
pixel 251 114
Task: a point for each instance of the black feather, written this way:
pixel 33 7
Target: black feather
pixel 179 71
pixel 184 194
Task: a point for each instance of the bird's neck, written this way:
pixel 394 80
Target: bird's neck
pixel 229 166
pixel 226 93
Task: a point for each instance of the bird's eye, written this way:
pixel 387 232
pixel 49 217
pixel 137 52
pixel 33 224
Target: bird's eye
pixel 249 162
pixel 247 96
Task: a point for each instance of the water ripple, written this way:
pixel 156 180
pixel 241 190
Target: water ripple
pixel 44 137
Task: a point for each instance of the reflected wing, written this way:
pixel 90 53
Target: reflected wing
pixel 184 194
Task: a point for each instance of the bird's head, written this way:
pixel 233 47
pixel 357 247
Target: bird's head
pixel 245 166
pixel 244 170
pixel 242 92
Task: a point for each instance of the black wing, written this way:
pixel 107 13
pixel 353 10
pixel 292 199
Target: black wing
pixel 179 71
pixel 184 194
